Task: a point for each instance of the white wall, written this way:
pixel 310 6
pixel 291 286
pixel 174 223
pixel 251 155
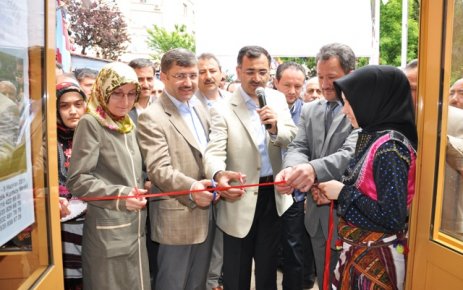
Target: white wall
pixel 284 28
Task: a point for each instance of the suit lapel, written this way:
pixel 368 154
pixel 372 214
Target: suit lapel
pixel 202 115
pixel 177 121
pixel 241 111
pixel 319 126
pixel 334 126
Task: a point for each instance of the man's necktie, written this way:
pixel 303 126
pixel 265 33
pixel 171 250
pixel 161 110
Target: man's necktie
pixel 331 106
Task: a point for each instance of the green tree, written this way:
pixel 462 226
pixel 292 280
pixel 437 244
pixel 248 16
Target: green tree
pixel 311 66
pixel 161 40
pixel 99 26
pixel 391 31
pixel 307 62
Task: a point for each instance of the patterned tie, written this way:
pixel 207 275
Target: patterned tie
pixel 331 106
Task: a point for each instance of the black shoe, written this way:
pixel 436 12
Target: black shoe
pixel 308 285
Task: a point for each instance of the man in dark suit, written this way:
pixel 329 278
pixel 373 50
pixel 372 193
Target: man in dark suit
pixel 321 150
pixel 297 256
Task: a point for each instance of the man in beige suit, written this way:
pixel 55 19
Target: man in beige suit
pixel 242 149
pixel 172 135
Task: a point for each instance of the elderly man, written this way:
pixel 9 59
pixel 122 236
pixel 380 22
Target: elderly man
pixel 456 94
pixel 312 90
pixel 158 87
pixel 172 135
pixel 321 150
pixel 240 148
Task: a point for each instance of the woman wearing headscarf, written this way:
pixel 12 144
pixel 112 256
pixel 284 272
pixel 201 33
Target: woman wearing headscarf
pixel 106 163
pixel 70 104
pixel 379 184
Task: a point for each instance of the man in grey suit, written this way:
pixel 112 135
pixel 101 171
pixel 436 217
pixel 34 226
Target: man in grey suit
pixel 321 150
pixel 172 134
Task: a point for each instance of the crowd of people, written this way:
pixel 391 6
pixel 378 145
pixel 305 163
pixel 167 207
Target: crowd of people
pixel 315 181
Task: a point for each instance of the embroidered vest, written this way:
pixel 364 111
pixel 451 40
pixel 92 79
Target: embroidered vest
pixel 365 180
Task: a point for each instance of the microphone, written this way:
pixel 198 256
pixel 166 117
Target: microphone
pixel 260 92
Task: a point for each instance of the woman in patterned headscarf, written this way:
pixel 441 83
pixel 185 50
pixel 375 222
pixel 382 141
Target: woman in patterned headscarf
pixel 106 162
pixel 379 183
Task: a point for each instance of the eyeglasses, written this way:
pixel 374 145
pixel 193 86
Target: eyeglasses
pixel 119 95
pixel 184 76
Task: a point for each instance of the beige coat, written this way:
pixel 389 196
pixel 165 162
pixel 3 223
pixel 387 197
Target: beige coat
pixel 173 162
pixel 107 163
pixel 234 147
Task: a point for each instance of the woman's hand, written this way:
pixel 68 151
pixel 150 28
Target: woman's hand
pixel 63 207
pixel 318 197
pixel 136 203
pixel 330 189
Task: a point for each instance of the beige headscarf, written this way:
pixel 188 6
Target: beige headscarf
pixel 110 77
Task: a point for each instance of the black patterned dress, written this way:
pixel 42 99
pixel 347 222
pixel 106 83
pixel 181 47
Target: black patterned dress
pixel 71 231
pixel 373 206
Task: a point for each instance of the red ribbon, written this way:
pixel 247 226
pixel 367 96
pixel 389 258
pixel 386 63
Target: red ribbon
pixel 326 271
pixel 180 192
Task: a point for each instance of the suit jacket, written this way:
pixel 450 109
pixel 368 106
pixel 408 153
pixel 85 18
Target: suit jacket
pixel 233 146
pixel 328 155
pixel 134 115
pixel 173 162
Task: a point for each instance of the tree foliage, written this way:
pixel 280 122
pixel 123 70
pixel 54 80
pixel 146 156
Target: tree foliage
pixel 161 40
pixel 391 31
pixel 99 26
pixel 310 64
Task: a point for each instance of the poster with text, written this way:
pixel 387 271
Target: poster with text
pixel 16 186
